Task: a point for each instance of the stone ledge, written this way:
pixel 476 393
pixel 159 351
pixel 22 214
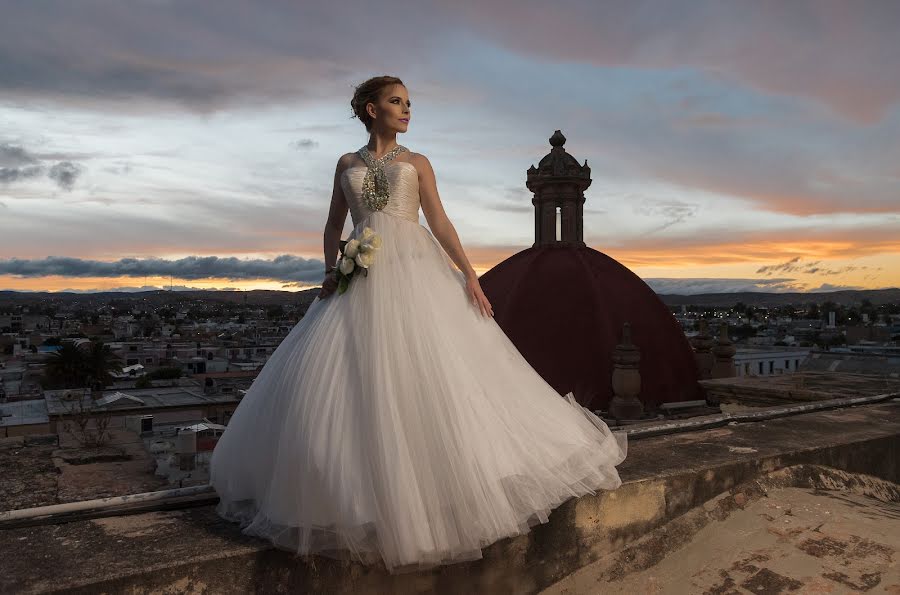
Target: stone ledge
pixel 796 526
pixel 664 477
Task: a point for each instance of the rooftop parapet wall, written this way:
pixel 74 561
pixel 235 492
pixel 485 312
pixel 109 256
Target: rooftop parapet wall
pixel 664 478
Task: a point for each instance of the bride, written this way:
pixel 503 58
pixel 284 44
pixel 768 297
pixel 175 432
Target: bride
pixel 396 423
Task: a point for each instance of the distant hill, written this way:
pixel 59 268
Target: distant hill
pixel 754 298
pixel 266 297
pixel 161 297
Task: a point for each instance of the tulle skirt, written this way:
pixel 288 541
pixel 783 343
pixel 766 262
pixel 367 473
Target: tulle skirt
pixel 397 424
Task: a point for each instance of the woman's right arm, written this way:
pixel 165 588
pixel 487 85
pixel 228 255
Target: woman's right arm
pixel 334 225
pixel 337 215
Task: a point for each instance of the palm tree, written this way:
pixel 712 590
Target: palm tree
pixel 77 367
pixel 98 364
pixel 66 367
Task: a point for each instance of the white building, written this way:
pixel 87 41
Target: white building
pixel 766 362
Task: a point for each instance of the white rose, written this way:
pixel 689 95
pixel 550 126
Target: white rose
pixel 347 265
pixel 375 242
pixel 365 259
pixel 351 247
pixel 367 233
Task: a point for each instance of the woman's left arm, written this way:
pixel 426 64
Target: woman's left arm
pixel 445 232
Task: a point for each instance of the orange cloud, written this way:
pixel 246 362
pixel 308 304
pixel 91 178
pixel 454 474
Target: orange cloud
pixel 738 249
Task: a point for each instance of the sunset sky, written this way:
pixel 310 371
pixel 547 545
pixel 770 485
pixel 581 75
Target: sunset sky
pixel 747 145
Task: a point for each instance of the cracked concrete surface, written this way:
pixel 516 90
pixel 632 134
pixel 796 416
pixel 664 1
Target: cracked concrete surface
pixel 792 540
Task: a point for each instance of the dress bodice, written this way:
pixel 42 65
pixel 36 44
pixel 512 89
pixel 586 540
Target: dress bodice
pixel 404 185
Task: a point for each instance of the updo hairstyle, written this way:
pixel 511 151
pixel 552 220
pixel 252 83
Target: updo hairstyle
pixel 370 92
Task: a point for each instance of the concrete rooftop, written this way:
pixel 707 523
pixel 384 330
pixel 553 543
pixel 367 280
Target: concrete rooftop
pixel 675 487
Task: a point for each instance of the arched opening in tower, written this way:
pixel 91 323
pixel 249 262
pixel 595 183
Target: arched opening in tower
pixel 558 223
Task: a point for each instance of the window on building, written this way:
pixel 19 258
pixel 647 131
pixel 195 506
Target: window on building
pixel 760 368
pixel 796 364
pixel 771 367
pixel 787 364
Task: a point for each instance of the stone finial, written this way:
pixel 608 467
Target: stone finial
pixel 703 344
pixel 558 139
pixel 724 353
pixel 558 182
pixel 626 379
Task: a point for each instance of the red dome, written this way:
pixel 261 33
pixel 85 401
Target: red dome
pixel 564 308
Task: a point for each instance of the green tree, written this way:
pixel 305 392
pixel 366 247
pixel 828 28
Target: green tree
pixel 99 364
pixel 813 312
pixel 839 311
pixel 164 373
pixel 76 367
pixel 786 311
pixel 66 367
pixel 743 331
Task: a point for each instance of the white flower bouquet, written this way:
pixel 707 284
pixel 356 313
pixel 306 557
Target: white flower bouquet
pixel 357 255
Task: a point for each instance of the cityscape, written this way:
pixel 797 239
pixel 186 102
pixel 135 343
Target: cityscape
pixel 474 297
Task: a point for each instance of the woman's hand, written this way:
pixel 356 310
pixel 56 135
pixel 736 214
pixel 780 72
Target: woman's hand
pixel 476 295
pixel 329 285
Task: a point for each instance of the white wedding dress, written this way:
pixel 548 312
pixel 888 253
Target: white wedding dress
pixel 397 423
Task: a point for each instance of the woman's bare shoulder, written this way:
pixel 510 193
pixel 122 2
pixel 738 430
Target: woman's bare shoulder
pixel 420 162
pixel 345 161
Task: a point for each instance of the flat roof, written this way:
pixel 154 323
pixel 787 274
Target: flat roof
pixel 152 398
pixel 23 413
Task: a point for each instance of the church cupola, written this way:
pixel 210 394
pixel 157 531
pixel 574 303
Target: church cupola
pixel 558 184
pixel 564 304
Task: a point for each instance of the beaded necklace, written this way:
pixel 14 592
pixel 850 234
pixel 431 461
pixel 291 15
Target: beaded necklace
pixel 375 186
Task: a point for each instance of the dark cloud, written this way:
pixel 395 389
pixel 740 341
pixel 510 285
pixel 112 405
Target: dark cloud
pixel 305 143
pixel 18 164
pixel 785 267
pixel 135 289
pixel 285 268
pixel 8 175
pixel 672 211
pixel 15 156
pixel 65 173
pixel 772 102
pixel 842 55
pixel 142 56
pixel 795 265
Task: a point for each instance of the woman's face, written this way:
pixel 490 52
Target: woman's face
pixel 392 112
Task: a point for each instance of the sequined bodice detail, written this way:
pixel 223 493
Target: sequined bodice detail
pixel 404 197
